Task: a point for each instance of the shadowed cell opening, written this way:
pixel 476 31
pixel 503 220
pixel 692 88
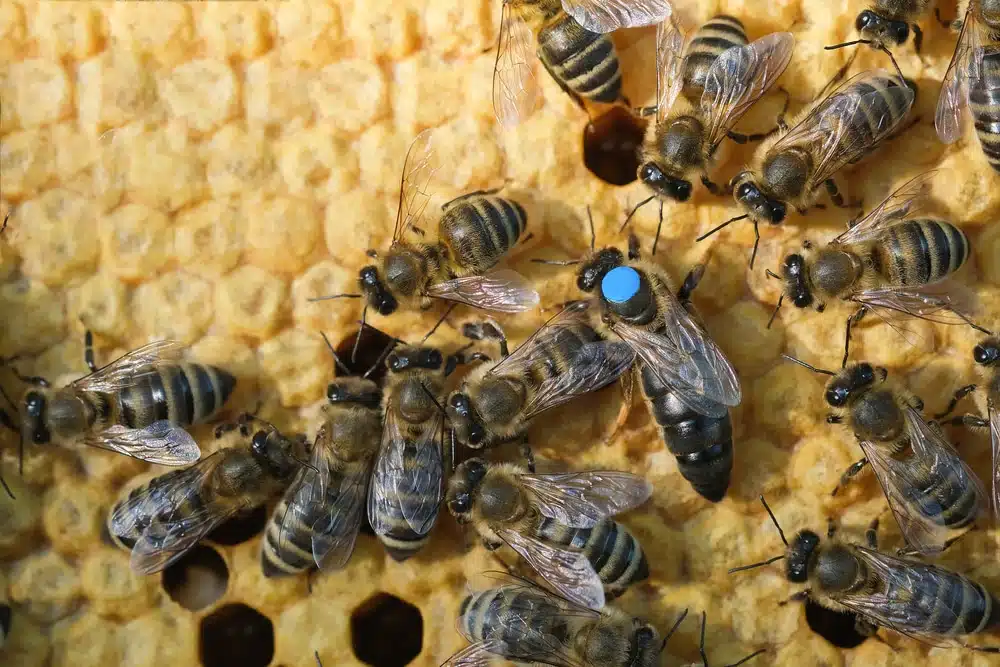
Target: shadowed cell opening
pixel 197 579
pixel 836 627
pixel 386 631
pixel 611 146
pixel 241 528
pixel 236 636
pixel 371 348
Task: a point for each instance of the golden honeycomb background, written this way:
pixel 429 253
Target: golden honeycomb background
pixel 197 170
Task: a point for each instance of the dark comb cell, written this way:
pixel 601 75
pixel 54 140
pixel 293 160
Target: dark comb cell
pixel 371 350
pixel 197 579
pixel 236 636
pixel 836 627
pixel 386 631
pixel 611 146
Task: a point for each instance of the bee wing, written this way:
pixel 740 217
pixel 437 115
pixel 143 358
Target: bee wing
pixel 503 291
pixel 161 442
pixel 903 202
pixel 596 365
pixel 479 654
pixel 611 15
pixel 669 63
pixel 418 168
pixel 582 499
pixel 568 572
pixel 162 543
pixel 927 302
pixel 160 499
pixel 995 441
pixel 515 89
pixel 966 64
pixel 828 125
pixel 739 77
pixel 535 347
pixel 335 532
pixel 127 369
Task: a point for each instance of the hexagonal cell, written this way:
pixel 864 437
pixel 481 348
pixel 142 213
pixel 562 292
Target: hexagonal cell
pixel 197 579
pixel 236 636
pixel 611 146
pixel 382 616
pixel 836 627
pixel 372 347
pixel 241 528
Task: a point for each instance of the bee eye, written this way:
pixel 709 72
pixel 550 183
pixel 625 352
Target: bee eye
pixel 644 636
pixel 901 32
pixel 775 211
pixel 476 434
pixel 650 173
pixel 864 19
pixel 34 404
pixel 395 362
pixel 866 373
pixel 681 190
pixel 802 299
pixel 744 191
pixel 434 359
pixel 837 396
pixel 460 403
pixel 369 276
pixel 475 470
pixel 258 445
pixel 333 392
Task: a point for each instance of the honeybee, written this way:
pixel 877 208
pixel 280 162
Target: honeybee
pixel 789 168
pixel 687 382
pixel 476 230
pixel 922 601
pixel 136 405
pixel 572 44
pixel 931 491
pixel 887 260
pixel 406 487
pixel 973 79
pixel 164 518
pixel 728 75
pixel 560 524
pixel 565 358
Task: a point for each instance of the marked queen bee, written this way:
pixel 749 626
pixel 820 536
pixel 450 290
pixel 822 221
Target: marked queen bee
pixel 559 523
pixel 973 79
pixel 922 601
pixel 572 45
pixel 161 520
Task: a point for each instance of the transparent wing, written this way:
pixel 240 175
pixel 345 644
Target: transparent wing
pixel 582 499
pixel 610 15
pixel 965 65
pixel 480 654
pixel 335 531
pixel 503 291
pixel 669 63
pixel 739 77
pixel 830 121
pixel 162 543
pixel 995 441
pixel 126 370
pixel 596 365
pixel 535 347
pixel 171 491
pixel 925 301
pixel 568 572
pixel 904 201
pixel 418 168
pixel 515 89
pixel 161 442
pixel 381 490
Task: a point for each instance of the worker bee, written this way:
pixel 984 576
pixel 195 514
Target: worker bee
pixel 789 168
pixel 476 230
pixel 560 524
pixel 565 358
pixel 911 597
pixel 728 75
pixel 136 405
pixel 931 491
pixel 887 260
pixel 687 382
pixel 573 46
pixel 164 518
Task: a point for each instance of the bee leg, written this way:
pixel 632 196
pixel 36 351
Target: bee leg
pixel 633 247
pixel 865 628
pixel 491 546
pixel 627 380
pixel 969 421
pixel 691 281
pixel 529 456
pixel 644 112
pixel 871 534
pixel 487 329
pixel 831 528
pixel 659 225
pixel 835 196
pixel 88 351
pixel 945 23
pixel 958 396
pixel 756 243
pixel 849 474
pixel 712 187
pixel 36 380
pixel 227 427
pixel 852 321
pixel 779 125
pixel 801 596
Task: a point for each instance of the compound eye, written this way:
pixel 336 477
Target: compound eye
pixel 864 19
pixel 460 503
pixel 802 300
pixel 460 402
pixel 643 636
pixel 682 190
pixel 475 470
pixel 394 362
pixel 901 32
pixel 744 191
pixel 476 434
pixel 34 403
pixel 259 442
pixel 776 212
pixel 837 396
pixel 866 373
pixel 434 359
pixel 333 392
pixel 980 354
pixel 650 173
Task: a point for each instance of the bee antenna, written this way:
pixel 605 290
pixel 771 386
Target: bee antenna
pixel 334 296
pixel 776 309
pixel 701 642
pixel 774 520
pixel 451 307
pixel 381 358
pixel 845 44
pixel 3 482
pixel 593 233
pixel 809 366
pixel 677 624
pixel 749 657
pixel 319 663
pixel 336 358
pixel 357 339
pixel 743 568
pixel 434 400
pixel 632 212
pixel 726 223
pixel 772 274
pixel 305 464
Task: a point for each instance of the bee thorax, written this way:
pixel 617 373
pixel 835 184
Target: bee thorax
pixel 836 569
pixel 786 174
pixel 877 416
pixel 500 501
pixel 499 401
pixel 833 271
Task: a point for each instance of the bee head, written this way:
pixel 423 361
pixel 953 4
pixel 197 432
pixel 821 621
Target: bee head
pixel 427 358
pixel 462 487
pixel 794 272
pixel 379 297
pixel 800 553
pixel 850 381
pixel 987 353
pixel 758 205
pixel 33 419
pixel 664 184
pixel 464 422
pixel 591 273
pixel 646 646
pixel 354 390
pixel 881 31
pixel 273 452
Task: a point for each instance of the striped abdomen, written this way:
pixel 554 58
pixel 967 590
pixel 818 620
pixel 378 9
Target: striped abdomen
pixel 505 613
pixel 703 445
pixel 718 34
pixel 583 61
pixel 919 252
pixel 183 394
pixel 886 109
pixel 158 497
pixel 401 541
pixel 947 603
pixel 555 354
pixel 480 229
pixel 944 492
pixel 984 103
pixel 611 549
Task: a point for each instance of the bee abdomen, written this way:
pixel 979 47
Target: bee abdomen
pixel 559 352
pixel 613 551
pixel 956 605
pixel 919 252
pixel 712 39
pixel 948 498
pixel 586 62
pixel 888 106
pixel 151 496
pixel 480 229
pixel 401 541
pixel 984 103
pixel 183 394
pixel 504 614
pixel 287 546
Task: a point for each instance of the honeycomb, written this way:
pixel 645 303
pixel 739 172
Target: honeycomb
pixel 197 171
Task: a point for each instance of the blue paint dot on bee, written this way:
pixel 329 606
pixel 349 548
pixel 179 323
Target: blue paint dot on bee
pixel 620 284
